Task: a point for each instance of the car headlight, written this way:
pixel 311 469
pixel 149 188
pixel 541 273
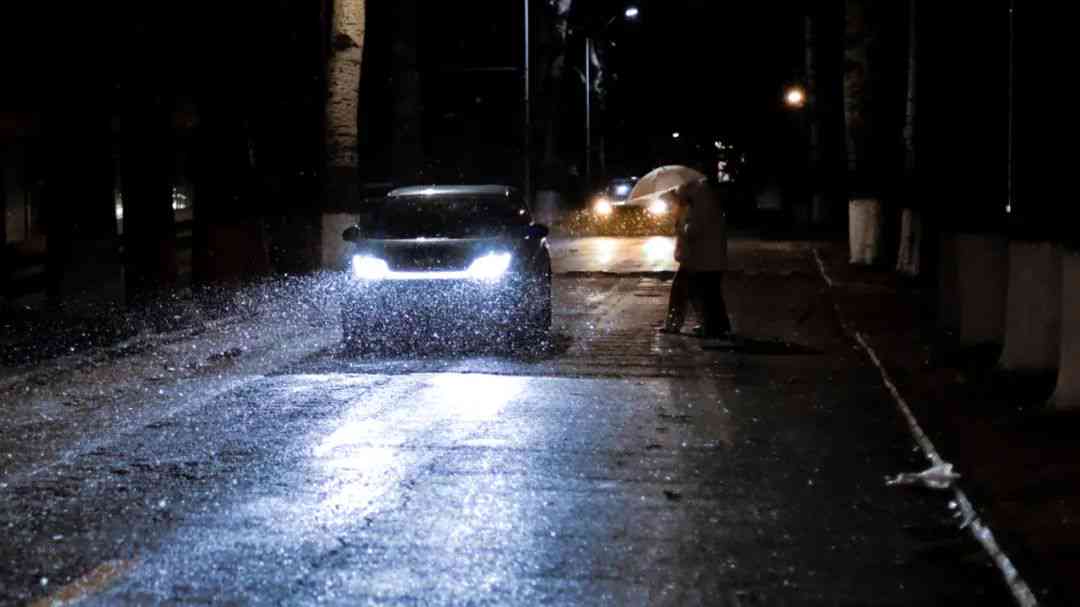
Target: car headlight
pixel 658 207
pixel 622 190
pixel 490 267
pixel 602 207
pixel 366 267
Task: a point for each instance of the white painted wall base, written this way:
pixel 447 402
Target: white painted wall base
pixel 1066 395
pixel 909 258
pixel 333 247
pixel 864 230
pixel 982 281
pixel 1033 308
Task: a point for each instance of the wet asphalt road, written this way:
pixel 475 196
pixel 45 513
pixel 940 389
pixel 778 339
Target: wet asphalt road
pixel 611 466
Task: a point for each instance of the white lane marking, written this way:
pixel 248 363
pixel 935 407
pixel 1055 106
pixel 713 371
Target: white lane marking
pixel 981 532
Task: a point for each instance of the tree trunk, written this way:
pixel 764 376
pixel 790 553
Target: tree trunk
pixel 346 50
pixel 3 233
pixel 550 99
pixel 866 223
pixel 149 230
pixel 341 181
pixel 908 259
pixel 230 241
pixel 819 212
pixel 859 54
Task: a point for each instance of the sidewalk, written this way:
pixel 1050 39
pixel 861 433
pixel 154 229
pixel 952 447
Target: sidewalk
pixel 1020 468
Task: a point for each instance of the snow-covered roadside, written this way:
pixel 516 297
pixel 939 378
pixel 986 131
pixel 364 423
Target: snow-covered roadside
pixel 72 404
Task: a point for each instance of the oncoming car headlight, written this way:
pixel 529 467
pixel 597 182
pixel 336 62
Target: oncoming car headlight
pixel 490 267
pixel 602 207
pixel 366 267
pixel 658 207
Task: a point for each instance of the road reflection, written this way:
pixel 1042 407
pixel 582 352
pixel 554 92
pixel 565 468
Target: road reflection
pixel 366 456
pixel 660 248
pixel 609 254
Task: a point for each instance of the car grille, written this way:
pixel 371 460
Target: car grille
pixel 430 258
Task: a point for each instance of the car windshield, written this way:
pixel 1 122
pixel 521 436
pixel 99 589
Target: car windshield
pixel 456 217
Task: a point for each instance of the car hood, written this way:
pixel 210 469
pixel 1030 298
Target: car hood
pixel 432 254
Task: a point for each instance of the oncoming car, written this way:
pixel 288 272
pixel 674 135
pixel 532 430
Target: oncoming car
pixel 615 200
pixel 425 260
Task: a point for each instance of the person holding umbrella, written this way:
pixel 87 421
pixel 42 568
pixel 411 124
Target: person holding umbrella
pixel 700 246
pixel 705 255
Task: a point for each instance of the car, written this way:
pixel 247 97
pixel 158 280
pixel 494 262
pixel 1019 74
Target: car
pixel 614 200
pixel 429 259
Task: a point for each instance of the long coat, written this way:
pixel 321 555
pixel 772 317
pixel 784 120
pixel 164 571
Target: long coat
pixel 704 232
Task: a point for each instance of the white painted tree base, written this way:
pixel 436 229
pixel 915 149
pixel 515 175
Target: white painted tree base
pixel 1066 395
pixel 909 258
pixel 864 230
pixel 1033 308
pixel 334 249
pixel 981 279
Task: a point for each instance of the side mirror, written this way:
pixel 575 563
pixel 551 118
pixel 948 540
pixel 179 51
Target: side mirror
pixel 351 234
pixel 537 230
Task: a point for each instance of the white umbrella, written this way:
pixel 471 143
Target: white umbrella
pixel 662 180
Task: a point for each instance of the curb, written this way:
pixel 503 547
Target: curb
pixel 979 531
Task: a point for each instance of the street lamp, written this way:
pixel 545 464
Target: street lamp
pixel 631 13
pixel 795 97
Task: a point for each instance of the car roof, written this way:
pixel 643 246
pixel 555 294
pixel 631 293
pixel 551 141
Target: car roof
pixel 453 190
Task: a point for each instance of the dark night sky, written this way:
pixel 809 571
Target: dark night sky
pixel 706 69
pixel 701 67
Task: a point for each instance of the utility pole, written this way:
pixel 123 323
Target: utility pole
pixel 1011 170
pixel 588 112
pixel 528 113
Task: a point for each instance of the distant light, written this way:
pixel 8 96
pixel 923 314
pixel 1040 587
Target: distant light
pixel 675 135
pixel 658 207
pixel 795 97
pixel 1008 208
pixel 632 12
pixel 622 190
pixel 602 207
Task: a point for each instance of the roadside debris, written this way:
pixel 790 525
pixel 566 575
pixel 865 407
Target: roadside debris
pixel 940 476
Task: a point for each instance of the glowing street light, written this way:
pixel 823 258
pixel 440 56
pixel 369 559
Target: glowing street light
pixel 795 97
pixel 631 12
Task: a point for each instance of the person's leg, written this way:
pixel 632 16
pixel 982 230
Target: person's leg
pixel 676 313
pixel 698 296
pixel 716 322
